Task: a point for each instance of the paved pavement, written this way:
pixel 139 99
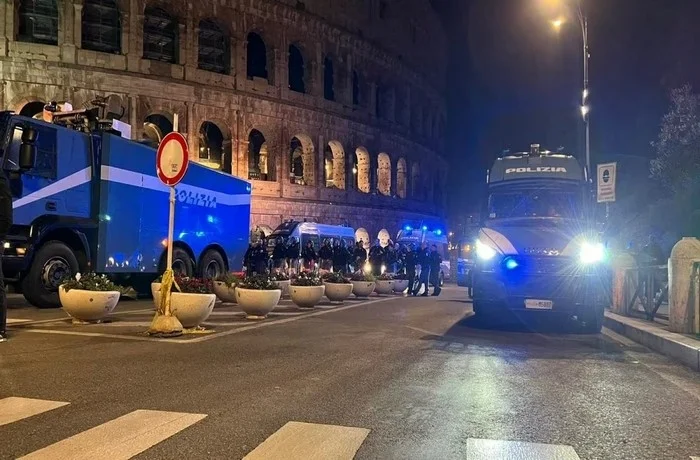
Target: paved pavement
pixel 390 378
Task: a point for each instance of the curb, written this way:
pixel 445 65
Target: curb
pixel 675 346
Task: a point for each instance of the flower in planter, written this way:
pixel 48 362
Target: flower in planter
pixel 401 276
pixel 335 277
pixel 192 285
pixel 385 277
pixel 91 282
pixel 307 279
pixel 359 276
pixel 279 276
pixel 258 283
pixel 231 280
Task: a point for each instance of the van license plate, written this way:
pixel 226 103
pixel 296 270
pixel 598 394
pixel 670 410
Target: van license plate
pixel 534 304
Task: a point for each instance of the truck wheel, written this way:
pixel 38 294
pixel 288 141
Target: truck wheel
pixel 182 263
pixel 53 262
pixel 212 265
pixel 593 321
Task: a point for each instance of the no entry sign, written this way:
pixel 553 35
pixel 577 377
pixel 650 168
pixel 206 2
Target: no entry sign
pixel 172 159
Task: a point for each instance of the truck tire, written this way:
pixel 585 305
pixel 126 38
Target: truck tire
pixel 212 265
pixel 593 321
pixel 182 263
pixel 53 262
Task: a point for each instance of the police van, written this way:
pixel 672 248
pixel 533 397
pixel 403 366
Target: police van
pixel 317 233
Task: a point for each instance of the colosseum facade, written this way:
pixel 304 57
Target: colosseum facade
pixel 332 109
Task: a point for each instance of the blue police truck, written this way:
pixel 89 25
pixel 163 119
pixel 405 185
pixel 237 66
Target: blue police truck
pixel 87 199
pixel 538 248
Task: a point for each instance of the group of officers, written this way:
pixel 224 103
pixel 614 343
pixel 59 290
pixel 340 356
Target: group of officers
pixel 421 265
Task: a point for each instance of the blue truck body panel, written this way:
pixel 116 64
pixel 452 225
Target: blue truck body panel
pixel 211 209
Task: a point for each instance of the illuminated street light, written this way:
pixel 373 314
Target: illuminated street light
pixel 584 111
pixel 557 23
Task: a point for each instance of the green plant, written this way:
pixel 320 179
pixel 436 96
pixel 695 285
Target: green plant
pixel 360 276
pixel 229 279
pixel 91 282
pixel 279 276
pixel 193 285
pixel 307 279
pixel 258 283
pixel 385 277
pixel 335 277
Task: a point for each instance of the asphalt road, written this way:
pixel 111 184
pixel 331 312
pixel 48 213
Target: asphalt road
pixel 418 377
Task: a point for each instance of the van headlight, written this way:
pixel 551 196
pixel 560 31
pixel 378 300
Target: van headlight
pixel 591 253
pixel 484 251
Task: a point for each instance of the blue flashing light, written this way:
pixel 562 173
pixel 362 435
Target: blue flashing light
pixel 438 232
pixel 511 264
pixel 210 219
pixel 425 228
pixel 408 228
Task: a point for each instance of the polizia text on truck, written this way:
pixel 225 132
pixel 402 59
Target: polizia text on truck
pixel 538 248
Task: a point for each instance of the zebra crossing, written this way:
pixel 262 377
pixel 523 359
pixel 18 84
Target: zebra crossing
pixel 131 434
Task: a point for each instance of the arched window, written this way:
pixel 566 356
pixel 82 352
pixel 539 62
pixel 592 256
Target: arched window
pixel 211 145
pixel 260 165
pixel 155 127
pixel 328 79
pixel 256 57
pixel 160 36
pixel 214 48
pixel 384 174
pixel 302 160
pixel 355 88
pixel 361 170
pixel 101 24
pixel 334 165
pixel 38 22
pixel 401 178
pixel 31 109
pixel 296 69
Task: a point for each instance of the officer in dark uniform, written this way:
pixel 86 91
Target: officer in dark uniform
pixel 5 223
pixel 410 261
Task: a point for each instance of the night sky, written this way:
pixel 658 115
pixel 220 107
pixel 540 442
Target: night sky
pixel 514 81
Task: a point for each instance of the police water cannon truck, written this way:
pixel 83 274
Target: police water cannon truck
pixel 87 199
pixel 538 249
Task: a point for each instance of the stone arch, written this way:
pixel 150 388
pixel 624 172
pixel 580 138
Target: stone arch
pixel 101 26
pixel 156 126
pixel 31 108
pixel 215 146
pixel 302 160
pixel 360 170
pixel 334 165
pixel 415 180
pixel 38 21
pixel 362 234
pixel 214 47
pixel 261 166
pixel 257 57
pixel 384 174
pixel 401 178
pixel 328 78
pixel 160 35
pixel 384 237
pixel 296 67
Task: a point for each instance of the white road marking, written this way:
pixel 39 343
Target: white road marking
pixel 489 449
pixel 210 336
pixel 310 441
pixel 17 320
pixel 620 338
pixel 121 438
pixel 14 409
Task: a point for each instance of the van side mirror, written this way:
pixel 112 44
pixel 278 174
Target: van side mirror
pixel 27 150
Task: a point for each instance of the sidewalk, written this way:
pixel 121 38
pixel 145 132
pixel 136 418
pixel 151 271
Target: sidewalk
pixel 654 335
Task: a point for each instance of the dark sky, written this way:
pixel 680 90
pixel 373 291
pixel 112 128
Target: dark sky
pixel 513 81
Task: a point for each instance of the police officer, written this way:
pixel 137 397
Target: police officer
pixel 5 223
pixel 279 254
pixel 410 260
pixel 435 260
pixel 423 260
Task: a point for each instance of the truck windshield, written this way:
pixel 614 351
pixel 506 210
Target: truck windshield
pixel 536 203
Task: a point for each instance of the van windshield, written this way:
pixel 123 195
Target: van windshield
pixel 535 202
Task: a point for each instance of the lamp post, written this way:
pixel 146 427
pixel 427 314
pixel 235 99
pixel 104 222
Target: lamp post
pixel 585 109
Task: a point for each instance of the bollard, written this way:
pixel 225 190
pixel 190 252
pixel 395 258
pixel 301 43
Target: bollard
pixel 620 295
pixel 682 292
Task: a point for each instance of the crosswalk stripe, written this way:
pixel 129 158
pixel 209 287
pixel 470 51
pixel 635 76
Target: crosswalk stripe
pixel 310 441
pixel 121 438
pixel 13 409
pixel 488 449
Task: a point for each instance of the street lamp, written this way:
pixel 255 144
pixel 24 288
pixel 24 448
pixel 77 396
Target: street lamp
pixel 585 108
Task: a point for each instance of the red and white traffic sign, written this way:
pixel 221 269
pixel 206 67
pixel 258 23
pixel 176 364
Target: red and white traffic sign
pixel 172 159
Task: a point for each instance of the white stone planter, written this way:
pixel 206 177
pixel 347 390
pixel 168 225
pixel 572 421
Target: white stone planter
pixel 191 309
pixel 362 288
pixel 88 306
pixel 338 292
pixel 224 293
pixel 400 286
pixel 283 286
pixel 155 293
pixel 257 304
pixel 306 296
pixel 384 287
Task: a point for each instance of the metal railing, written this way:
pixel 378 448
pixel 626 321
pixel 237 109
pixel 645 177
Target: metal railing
pixel 645 287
